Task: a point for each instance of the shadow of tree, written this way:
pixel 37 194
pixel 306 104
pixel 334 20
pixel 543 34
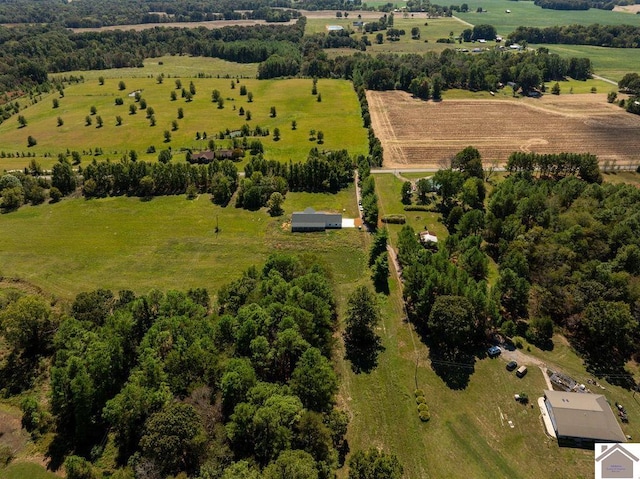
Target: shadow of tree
pixel 18 373
pixel 364 359
pixel 455 369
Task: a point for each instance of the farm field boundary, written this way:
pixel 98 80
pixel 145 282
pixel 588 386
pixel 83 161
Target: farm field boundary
pixel 415 133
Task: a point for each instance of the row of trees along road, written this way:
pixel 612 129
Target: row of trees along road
pixel 241 388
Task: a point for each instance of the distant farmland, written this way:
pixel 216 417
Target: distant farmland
pixel 415 133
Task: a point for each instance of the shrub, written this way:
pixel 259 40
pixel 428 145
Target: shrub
pixel 418 392
pixel 417 208
pixel 394 219
pixel 6 455
pixel 424 416
pixel 421 400
pixel 192 192
pixel 55 194
pixel 518 342
pixel 423 407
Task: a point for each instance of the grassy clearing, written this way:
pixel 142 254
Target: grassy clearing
pixel 171 66
pixel 23 470
pixel 338 116
pixel 166 243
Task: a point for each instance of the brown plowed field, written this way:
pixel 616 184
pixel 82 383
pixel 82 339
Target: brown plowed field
pixel 418 134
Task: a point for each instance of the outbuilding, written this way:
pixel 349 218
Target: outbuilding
pixel 312 220
pixel 582 419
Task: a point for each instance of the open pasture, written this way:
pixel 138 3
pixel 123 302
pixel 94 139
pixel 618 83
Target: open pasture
pixel 337 116
pixel 166 243
pixel 526 13
pixel 427 134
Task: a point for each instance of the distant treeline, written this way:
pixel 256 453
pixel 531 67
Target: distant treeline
pixel 618 36
pixel 95 13
pixel 579 4
pixel 29 52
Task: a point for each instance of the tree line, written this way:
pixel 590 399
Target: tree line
pixel 582 165
pixel 616 36
pixel 579 4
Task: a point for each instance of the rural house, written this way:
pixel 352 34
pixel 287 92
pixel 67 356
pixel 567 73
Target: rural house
pixel 312 220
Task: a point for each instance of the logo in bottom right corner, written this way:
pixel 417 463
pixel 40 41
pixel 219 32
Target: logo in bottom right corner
pixel 617 461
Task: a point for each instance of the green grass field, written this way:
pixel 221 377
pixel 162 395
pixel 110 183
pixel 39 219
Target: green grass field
pixel 526 13
pixel 166 243
pixel 611 63
pixel 26 470
pixel 337 116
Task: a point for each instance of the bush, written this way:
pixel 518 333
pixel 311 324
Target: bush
pixel 424 416
pixel 423 407
pixel 518 342
pixel 420 400
pixel 192 192
pixel 394 219
pixel 55 194
pixel 417 208
pixel 418 392
pixel 6 455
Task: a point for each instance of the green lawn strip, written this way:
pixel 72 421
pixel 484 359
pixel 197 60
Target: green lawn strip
pixel 24 470
pixel 165 243
pixel 337 116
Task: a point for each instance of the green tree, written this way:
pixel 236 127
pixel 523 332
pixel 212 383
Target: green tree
pixel 250 97
pixel 276 134
pixel 78 467
pixel 380 273
pixel 167 136
pixel 540 331
pixel 314 381
pixel 292 464
pixel 99 121
pixel 406 193
pixel 146 187
pixel 178 83
pixel 378 245
pixel 12 198
pixel 180 113
pixel 452 325
pixel 56 103
pixel 93 110
pixel 121 85
pixel 530 77
pixel 294 124
pixel 469 161
pixel 555 90
pixel 28 325
pixel 22 121
pixel 101 80
pixel 165 155
pixel 220 102
pixel 320 137
pixel 31 141
pixel 374 464
pixel 87 120
pixel 60 121
pixel 272 112
pixel 608 332
pixel 174 439
pixel 173 95
pixel 174 125
pixel 63 176
pixel 361 341
pixel 274 204
pixel 192 88
pixel 132 109
pixel 118 120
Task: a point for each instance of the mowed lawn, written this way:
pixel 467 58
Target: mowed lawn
pixel 166 243
pixel 337 116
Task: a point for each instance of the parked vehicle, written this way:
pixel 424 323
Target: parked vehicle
pixel 522 370
pixel 494 351
pixel 511 365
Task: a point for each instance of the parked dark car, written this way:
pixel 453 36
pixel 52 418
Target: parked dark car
pixel 511 365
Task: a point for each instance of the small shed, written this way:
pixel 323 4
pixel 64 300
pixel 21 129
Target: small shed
pixel 428 238
pixel 335 28
pixel 312 220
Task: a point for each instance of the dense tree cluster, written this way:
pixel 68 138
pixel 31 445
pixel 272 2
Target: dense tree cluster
pixel 567 251
pixel 616 36
pixel 582 165
pixel 126 177
pixel 244 386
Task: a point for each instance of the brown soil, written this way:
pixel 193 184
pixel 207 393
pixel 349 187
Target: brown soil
pixel 421 134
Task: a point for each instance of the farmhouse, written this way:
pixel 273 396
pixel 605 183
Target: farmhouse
pixel 312 220
pixel 582 419
pixel 202 157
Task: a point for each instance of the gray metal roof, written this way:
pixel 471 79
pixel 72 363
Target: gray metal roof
pixel 584 415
